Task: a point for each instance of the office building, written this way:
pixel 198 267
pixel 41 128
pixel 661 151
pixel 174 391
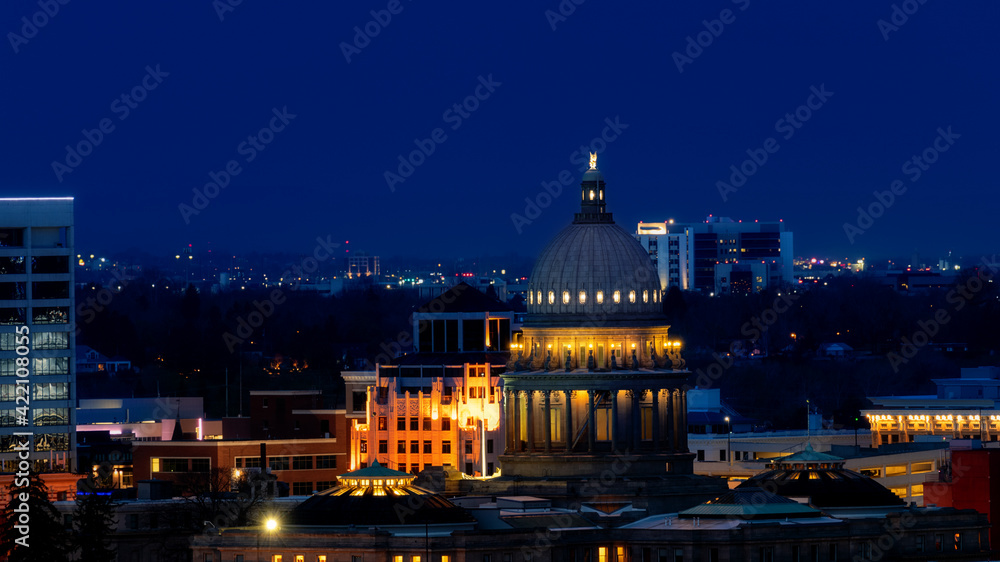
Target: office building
pixel 37 300
pixel 719 256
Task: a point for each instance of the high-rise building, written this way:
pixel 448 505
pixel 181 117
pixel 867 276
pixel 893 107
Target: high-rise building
pixel 720 255
pixel 37 342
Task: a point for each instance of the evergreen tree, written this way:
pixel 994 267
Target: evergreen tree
pixel 47 539
pixel 94 525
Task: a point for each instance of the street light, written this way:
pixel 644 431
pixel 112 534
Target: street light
pixel 271 525
pixel 729 441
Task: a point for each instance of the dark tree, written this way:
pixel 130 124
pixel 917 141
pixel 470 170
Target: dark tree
pixel 48 540
pixel 94 525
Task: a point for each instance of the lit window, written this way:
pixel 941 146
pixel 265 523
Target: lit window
pixel 565 297
pixel 397 558
pixel 602 554
pixel 645 296
pixel 276 558
pixel 415 558
pixel 617 297
pixel 583 297
pixel 531 297
pixel 300 558
pixel 600 297
pixel 445 558
pixel 539 297
pixel 552 297
pixel 631 296
pixel 591 194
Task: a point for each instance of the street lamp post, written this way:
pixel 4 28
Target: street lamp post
pixel 729 441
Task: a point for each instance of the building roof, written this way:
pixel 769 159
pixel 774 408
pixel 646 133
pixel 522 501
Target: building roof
pixel 832 486
pixel 809 455
pixel 463 298
pixel 376 471
pixel 750 502
pixel 383 506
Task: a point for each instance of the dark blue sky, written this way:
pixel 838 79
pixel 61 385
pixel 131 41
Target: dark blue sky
pixel 324 172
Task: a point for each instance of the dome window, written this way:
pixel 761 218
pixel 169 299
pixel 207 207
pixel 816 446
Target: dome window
pixel 600 297
pixel 552 297
pixel 591 194
pixel 631 296
pixel 531 297
pixel 539 297
pixel 618 297
pixel 645 296
pixel 583 297
pixel 565 297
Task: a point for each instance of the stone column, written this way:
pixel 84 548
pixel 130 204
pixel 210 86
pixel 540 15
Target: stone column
pixel 570 434
pixel 636 419
pixel 516 420
pixel 547 420
pixel 509 418
pixel 590 421
pixel 656 418
pixel 615 437
pixel 678 443
pixel 531 420
pixel 684 421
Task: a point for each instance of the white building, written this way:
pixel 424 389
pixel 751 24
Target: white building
pixel 36 300
pixel 719 255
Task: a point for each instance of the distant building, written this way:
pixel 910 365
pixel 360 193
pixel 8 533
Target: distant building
pixel 362 265
pixel 838 350
pixel 89 360
pixel 37 301
pixel 964 408
pixel 719 256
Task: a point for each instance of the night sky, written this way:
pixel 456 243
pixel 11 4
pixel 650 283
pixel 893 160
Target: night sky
pixel 208 82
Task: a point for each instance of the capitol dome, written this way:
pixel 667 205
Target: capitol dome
pixel 593 268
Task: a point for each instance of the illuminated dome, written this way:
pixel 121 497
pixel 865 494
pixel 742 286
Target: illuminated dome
pixel 380 496
pixel 823 479
pixel 593 268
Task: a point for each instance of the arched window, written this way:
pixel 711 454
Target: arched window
pixel 565 297
pixel 583 297
pixel 631 296
pixel 618 297
pixel 539 297
pixel 600 297
pixel 552 297
pixel 531 297
pixel 645 296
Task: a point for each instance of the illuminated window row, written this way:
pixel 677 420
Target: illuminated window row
pixel 616 297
